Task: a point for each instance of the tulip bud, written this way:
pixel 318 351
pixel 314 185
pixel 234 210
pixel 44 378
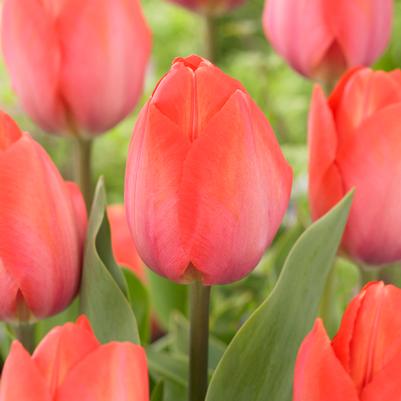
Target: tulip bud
pixel 76 65
pixel 42 229
pixel 354 141
pixel 321 39
pixel 209 7
pixel 123 246
pixel 206 183
pixel 70 364
pixel 363 361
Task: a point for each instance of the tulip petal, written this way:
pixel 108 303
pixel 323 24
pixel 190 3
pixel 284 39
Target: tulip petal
pixel 155 162
pixel 21 379
pixel 79 208
pixel 116 371
pixel 325 183
pixel 106 45
pixel 61 349
pixel 34 71
pixel 371 235
pixel 227 220
pixel 298 31
pixel 318 374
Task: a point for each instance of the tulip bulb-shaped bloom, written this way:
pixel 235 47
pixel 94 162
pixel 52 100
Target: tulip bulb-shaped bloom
pixel 209 7
pixel 322 38
pixel 76 64
pixel 206 183
pixel 363 362
pixel 42 229
pixel 70 364
pixel 355 141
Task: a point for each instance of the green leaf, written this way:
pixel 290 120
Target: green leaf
pixel 158 391
pixel 258 364
pixel 103 287
pixel 166 298
pixel 140 303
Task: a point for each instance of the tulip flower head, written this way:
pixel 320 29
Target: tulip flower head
pixel 42 229
pixel 322 38
pixel 209 7
pixel 76 65
pixel 355 141
pixel 206 183
pixel 362 363
pixel 70 364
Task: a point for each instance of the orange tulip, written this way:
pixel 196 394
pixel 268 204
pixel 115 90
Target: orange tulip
pixel 363 361
pixel 76 65
pixel 70 364
pixel 206 183
pixel 322 38
pixel 355 141
pixel 210 7
pixel 42 229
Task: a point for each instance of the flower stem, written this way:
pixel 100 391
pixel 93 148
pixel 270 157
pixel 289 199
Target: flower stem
pixel 82 167
pixel 210 37
pixel 368 274
pixel 25 334
pixel 199 341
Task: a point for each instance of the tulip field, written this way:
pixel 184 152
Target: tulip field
pixel 199 200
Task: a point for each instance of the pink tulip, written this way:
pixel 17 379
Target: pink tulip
pixel 76 65
pixel 322 38
pixel 42 229
pixel 206 183
pixel 209 7
pixel 70 364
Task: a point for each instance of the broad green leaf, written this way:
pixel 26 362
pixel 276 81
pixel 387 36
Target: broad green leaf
pixel 103 287
pixel 139 298
pixel 158 391
pixel 258 364
pixel 167 297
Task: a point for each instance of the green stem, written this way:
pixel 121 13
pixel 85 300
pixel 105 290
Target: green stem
pixel 210 37
pixel 83 167
pixel 199 342
pixel 328 305
pixel 368 274
pixel 25 333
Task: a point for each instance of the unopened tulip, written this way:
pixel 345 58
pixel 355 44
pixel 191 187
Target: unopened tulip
pixel 206 183
pixel 76 65
pixel 70 364
pixel 121 240
pixel 363 362
pixel 355 141
pixel 322 38
pixel 42 229
pixel 209 7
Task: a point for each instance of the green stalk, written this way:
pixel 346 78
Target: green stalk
pixel 210 38
pixel 199 342
pixel 25 334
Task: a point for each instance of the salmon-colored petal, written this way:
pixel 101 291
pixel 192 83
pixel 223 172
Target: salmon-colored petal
pixel 79 208
pixel 298 31
pixel 155 162
pixel 370 161
pixel 123 245
pixel 325 181
pixel 34 70
pixel 106 46
pixel 116 371
pixel 318 374
pixel 21 380
pixel 61 349
pixel 227 220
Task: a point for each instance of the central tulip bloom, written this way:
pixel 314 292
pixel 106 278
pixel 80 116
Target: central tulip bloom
pixel 322 38
pixel 209 7
pixel 355 141
pixel 70 364
pixel 42 229
pixel 206 183
pixel 76 65
pixel 363 362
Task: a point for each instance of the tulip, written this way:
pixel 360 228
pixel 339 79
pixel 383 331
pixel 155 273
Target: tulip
pixel 123 246
pixel 209 7
pixel 354 141
pixel 322 38
pixel 42 229
pixel 70 364
pixel 363 361
pixel 76 65
pixel 206 183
